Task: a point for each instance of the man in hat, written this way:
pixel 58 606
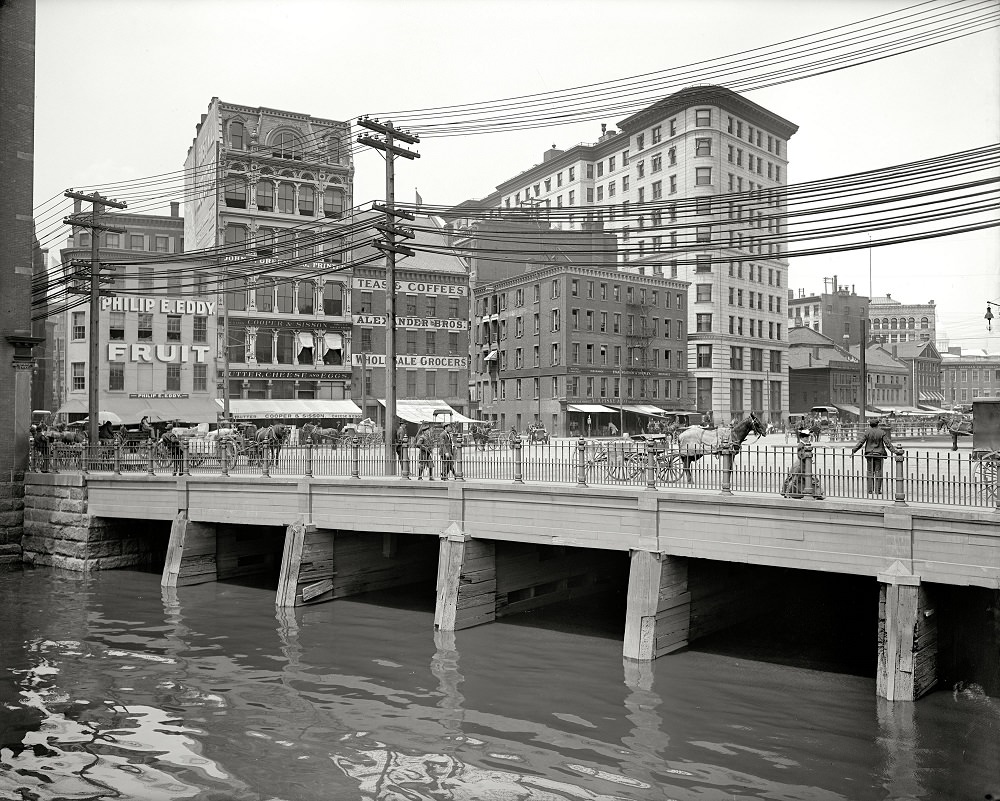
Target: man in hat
pixel 795 484
pixel 877 445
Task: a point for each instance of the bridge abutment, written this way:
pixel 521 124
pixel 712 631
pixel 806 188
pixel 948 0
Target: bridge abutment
pixel 658 610
pixel 191 553
pixel 907 637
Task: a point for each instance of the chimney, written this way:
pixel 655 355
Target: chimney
pixel 816 352
pixel 810 360
pixel 604 128
pixel 888 295
pixel 175 208
pixel 551 153
pixel 895 351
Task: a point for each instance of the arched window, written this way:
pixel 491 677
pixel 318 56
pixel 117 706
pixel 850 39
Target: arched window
pixel 307 201
pixel 333 203
pixel 307 297
pixel 236 192
pixel 264 348
pixel 885 323
pixel 286 198
pixel 910 323
pixel 285 300
pixel 264 295
pixel 285 145
pixel 284 244
pixel 265 242
pixel 286 346
pixel 875 324
pixel 893 323
pixel 333 298
pixel 237 135
pixel 925 322
pixel 265 196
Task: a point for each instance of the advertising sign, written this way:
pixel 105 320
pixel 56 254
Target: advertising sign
pixel 412 287
pixel 405 360
pixel 435 323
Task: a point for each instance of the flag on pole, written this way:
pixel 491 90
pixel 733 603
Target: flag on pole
pixel 420 200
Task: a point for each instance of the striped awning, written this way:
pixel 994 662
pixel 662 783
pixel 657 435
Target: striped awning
pixel 930 396
pixel 590 408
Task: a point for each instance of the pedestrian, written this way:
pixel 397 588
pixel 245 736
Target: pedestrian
pixel 795 483
pixel 173 446
pixel 612 429
pixel 42 445
pixel 146 427
pixel 877 445
pixel 402 444
pixel 446 450
pixel 425 449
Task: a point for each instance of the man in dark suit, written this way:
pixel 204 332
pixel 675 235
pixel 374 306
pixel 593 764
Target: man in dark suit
pixel 877 446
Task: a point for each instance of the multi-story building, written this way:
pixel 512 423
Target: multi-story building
pixel 888 380
pixel 565 345
pixel 157 340
pixel 278 184
pixel 838 313
pixel 969 374
pixel 893 321
pixel 432 328
pixel 924 362
pixel 693 188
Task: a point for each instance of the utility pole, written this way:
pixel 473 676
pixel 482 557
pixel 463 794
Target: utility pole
pixel 93 373
pixel 391 248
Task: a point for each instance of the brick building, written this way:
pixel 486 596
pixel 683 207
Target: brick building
pixel 893 321
pixel 838 314
pixel 969 374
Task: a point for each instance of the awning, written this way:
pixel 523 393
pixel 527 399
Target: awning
pixel 642 408
pixel 422 411
pixel 590 408
pixel 132 410
pixel 870 412
pixel 305 339
pixel 930 395
pixel 333 341
pixel 903 410
pixel 275 409
pixel 491 356
pixel 934 409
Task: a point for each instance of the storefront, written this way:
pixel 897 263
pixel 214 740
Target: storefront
pixel 297 411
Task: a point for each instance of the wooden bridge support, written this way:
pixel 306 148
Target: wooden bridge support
pixel 907 637
pixel 466 582
pixel 658 613
pixel 191 553
pixel 307 568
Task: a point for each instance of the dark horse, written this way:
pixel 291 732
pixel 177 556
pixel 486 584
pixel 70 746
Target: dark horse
pixel 696 441
pixel 269 441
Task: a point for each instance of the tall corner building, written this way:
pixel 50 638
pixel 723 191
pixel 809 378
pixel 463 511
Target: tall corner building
pixel 693 187
pixel 269 189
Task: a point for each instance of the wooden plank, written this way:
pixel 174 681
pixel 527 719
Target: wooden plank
pixel 319 588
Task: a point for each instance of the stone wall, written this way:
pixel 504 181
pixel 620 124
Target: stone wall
pixel 59 531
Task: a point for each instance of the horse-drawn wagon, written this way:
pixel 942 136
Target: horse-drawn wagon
pixel 986 445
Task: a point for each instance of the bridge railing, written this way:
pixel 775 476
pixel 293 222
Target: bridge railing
pixel 921 477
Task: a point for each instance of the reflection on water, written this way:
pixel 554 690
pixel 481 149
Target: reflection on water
pixel 113 689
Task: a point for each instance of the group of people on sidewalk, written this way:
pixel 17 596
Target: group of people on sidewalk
pixel 425 443
pixel 875 444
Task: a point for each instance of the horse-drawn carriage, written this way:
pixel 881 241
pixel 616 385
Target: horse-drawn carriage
pixel 367 431
pixel 537 433
pixel 986 445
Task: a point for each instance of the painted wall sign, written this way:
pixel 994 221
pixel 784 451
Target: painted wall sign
pixel 303 324
pixel 159 395
pixel 435 323
pixel 125 352
pixel 129 303
pixel 416 287
pixel 427 362
pixel 298 375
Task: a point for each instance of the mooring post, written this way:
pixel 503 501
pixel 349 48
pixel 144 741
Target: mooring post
pixel 515 444
pixel 355 457
pixel 898 457
pixel 309 459
pixel 118 459
pixel 459 469
pixel 650 466
pixel 807 469
pixel 581 462
pixel 223 449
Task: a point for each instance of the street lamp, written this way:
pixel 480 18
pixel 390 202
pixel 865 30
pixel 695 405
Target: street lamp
pixel 989 314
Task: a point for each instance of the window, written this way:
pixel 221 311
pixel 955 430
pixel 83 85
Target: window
pixel 200 378
pixel 285 146
pixel 307 201
pixel 640 141
pixel 657 188
pixel 703 117
pixel 673 189
pixel 703 292
pixel 703 147
pixel 555 319
pixel 79 325
pixel 173 378
pixel 236 135
pixel 307 297
pixel 199 329
pixel 657 134
pixel 333 203
pixel 756 359
pixel 116 377
pixel 235 190
pixel 704 355
pixel 703 176
pixel 735 358
pixel 173 328
pixel 145 327
pixel 162 244
pixel 135 242
pixel 572 175
pixel 116 326
pixel 703 323
pixel 286 198
pixel 736 395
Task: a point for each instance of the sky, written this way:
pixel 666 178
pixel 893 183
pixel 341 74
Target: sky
pixel 121 85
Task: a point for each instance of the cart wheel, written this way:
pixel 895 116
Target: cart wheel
pixel 196 460
pixel 618 466
pixel 162 458
pixel 988 474
pixel 669 467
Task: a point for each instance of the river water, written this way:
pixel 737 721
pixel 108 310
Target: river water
pixel 111 688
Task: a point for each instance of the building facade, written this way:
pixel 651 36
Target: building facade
pixel 837 314
pixel 969 374
pixel 893 321
pixel 278 186
pixel 564 345
pixel 432 328
pixel 924 361
pixel 692 187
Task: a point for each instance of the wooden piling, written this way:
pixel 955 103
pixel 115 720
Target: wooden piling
pixel 658 613
pixel 466 582
pixel 191 553
pixel 907 637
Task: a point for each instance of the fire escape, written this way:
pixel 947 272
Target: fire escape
pixel 638 357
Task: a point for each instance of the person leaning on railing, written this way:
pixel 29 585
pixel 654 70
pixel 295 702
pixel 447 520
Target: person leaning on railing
pixel 877 445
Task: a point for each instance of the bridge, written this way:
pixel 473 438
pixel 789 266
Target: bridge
pixel 690 561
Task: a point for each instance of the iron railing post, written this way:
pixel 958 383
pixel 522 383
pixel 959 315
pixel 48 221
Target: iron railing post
pixel 117 459
pixel 355 457
pixel 459 469
pixel 309 459
pixel 515 444
pixel 808 484
pixel 899 458
pixel 650 467
pixel 223 448
pixel 581 462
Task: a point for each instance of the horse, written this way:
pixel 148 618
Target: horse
pixel 67 437
pixel 696 441
pixel 269 440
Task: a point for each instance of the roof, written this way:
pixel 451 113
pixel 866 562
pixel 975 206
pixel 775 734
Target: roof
pixel 428 232
pixel 877 356
pixel 913 350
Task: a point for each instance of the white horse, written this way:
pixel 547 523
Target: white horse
pixel 696 441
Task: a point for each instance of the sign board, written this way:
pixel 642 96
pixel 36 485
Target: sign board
pixel 145 395
pixel 406 360
pixel 299 375
pixel 125 352
pixel 412 287
pixel 130 303
pixel 435 323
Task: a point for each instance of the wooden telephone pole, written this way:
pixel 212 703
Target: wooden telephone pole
pixel 391 248
pixel 93 373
